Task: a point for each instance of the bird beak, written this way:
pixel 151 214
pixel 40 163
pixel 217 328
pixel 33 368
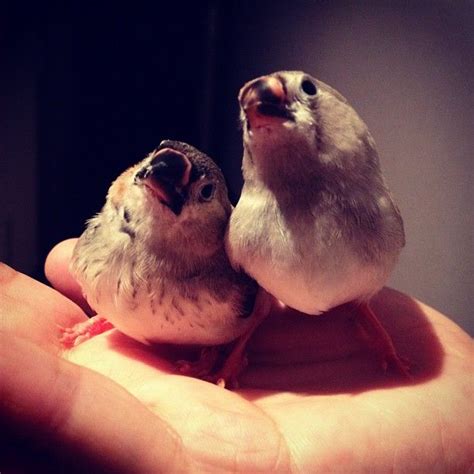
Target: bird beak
pixel 264 102
pixel 166 176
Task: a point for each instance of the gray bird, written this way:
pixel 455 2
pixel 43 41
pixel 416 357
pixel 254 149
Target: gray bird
pixel 316 224
pixel 153 261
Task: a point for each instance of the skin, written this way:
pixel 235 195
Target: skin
pixel 311 401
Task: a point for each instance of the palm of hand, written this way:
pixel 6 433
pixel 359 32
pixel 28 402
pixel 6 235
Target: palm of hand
pixel 304 403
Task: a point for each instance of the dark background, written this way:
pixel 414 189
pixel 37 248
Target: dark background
pixel 108 85
pixel 88 90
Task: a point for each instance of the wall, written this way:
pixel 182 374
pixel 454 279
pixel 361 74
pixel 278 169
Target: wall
pixel 18 146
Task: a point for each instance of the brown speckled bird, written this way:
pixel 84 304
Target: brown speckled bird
pixel 315 225
pixel 153 262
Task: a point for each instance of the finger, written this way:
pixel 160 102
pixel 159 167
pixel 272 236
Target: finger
pixel 72 409
pixel 56 269
pixel 33 310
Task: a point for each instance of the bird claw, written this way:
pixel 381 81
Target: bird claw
pixel 201 367
pixel 397 364
pixel 77 334
pixel 375 335
pixel 228 375
pixel 215 366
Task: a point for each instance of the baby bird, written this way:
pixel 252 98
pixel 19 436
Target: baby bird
pixel 316 224
pixel 153 261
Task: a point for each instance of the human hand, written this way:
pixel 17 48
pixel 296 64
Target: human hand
pixel 312 398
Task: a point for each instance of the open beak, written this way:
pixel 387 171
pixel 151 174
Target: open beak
pixel 167 176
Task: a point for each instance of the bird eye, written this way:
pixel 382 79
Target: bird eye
pixel 308 87
pixel 206 193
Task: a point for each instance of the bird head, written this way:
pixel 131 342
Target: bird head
pixel 293 121
pixel 177 194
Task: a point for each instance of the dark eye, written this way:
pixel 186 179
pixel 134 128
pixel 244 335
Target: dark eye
pixel 308 87
pixel 206 193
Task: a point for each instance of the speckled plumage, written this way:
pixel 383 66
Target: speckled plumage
pixel 160 272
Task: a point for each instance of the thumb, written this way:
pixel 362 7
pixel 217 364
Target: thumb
pixel 56 269
pixel 77 415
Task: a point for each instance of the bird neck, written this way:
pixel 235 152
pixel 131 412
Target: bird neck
pixel 281 173
pixel 298 187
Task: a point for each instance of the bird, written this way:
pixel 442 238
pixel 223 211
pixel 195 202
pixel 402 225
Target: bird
pixel 316 224
pixel 152 263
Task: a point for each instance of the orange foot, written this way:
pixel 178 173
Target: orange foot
pixel 80 332
pixel 222 365
pixel 380 341
pixel 202 367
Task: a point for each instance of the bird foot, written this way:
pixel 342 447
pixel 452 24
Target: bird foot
pixel 380 341
pixel 72 337
pixel 227 362
pixel 201 367
pixel 216 365
pixel 228 374
pixel 392 361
